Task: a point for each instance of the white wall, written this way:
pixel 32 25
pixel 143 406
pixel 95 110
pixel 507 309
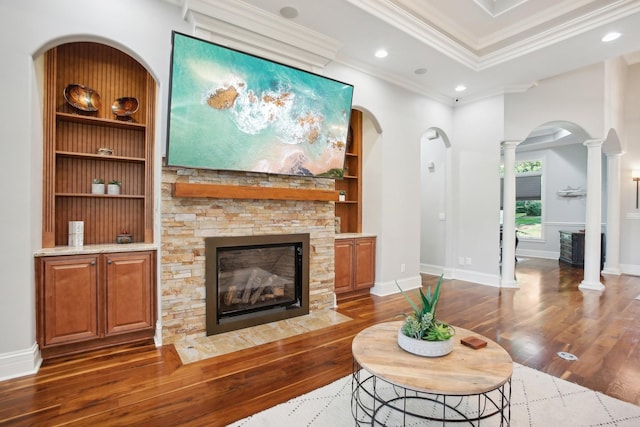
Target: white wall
pixel 576 97
pixel 478 133
pixel 630 221
pixel 434 202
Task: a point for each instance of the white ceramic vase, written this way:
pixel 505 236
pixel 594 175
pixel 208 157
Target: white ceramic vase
pixel 113 189
pixel 424 348
pixel 97 188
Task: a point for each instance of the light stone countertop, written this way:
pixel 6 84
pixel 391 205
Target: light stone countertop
pixel 353 235
pixel 95 249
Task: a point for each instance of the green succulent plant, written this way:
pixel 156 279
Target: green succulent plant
pixel 422 323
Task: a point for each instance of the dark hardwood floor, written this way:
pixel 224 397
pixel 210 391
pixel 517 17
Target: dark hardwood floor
pixel 143 385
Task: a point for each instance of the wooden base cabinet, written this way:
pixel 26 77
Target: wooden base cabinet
pixel 94 300
pixel 354 266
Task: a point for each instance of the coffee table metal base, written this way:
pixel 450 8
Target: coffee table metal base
pixel 375 401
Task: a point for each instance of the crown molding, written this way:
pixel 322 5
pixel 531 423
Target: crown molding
pixel 498 7
pixel 241 26
pixel 632 58
pixel 394 79
pixel 418 29
pixel 454 49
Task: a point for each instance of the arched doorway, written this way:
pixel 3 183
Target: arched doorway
pixel 569 167
pixel 435 203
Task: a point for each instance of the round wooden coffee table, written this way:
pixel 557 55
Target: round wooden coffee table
pixel 393 387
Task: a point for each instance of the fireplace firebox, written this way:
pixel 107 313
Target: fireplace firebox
pixel 251 280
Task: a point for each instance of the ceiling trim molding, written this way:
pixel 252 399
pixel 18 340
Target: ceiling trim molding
pixel 418 29
pixel 536 20
pixel 498 7
pixel 560 33
pixel 426 33
pixel 394 79
pixel 245 27
pixel 632 58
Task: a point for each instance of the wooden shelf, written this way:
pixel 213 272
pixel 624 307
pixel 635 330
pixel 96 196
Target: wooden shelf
pixel 106 196
pixel 72 138
pixel 98 156
pixel 350 211
pixel 217 191
pixel 98 121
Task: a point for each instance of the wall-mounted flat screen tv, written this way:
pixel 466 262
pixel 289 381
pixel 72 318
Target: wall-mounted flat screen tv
pixel 229 110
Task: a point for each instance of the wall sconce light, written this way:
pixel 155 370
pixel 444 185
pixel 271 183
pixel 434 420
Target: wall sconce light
pixel 636 177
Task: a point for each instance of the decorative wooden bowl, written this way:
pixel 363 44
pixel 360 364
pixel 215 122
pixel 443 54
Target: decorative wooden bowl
pixel 82 97
pixel 124 107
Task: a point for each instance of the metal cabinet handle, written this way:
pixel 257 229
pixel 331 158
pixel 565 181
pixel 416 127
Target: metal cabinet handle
pixel 109 262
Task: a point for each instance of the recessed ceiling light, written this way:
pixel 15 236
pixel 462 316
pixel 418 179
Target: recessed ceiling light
pixel 461 88
pixel 614 35
pixel 289 12
pixel 420 71
pixel 381 53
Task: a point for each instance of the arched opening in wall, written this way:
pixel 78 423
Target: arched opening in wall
pixel 358 187
pixel 358 209
pixel 435 202
pixel 99 120
pixel 550 188
pixel 372 173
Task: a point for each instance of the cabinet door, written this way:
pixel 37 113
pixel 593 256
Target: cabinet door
pixel 344 264
pixel 70 290
pixel 129 292
pixel 365 255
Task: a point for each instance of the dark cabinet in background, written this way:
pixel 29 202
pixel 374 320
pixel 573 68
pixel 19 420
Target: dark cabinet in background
pixel 572 248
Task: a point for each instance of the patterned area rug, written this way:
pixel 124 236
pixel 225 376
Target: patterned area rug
pixel 538 400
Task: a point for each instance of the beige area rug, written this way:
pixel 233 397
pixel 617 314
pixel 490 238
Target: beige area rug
pixel 199 348
pixel 537 400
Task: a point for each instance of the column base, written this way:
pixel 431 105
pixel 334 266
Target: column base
pixel 506 283
pixel 591 286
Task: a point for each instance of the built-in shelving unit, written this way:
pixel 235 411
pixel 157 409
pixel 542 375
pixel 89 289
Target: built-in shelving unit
pixel 350 210
pixel 96 296
pixel 72 138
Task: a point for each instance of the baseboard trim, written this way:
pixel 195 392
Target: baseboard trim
pixel 20 363
pixel 530 253
pixel 390 288
pixel 477 277
pixel 630 269
pixel 466 275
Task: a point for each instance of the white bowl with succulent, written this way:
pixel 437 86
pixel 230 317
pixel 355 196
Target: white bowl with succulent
pixel 422 333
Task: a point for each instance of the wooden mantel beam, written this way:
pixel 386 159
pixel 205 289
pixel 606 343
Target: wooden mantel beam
pixel 218 191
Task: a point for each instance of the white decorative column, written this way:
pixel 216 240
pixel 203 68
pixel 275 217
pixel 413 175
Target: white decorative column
pixel 612 252
pixel 508 279
pixel 592 223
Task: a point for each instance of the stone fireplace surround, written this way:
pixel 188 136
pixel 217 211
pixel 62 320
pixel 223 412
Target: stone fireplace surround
pixel 187 221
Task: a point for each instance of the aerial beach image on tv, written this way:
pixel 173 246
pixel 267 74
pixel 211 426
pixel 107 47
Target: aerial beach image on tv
pixel 234 111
